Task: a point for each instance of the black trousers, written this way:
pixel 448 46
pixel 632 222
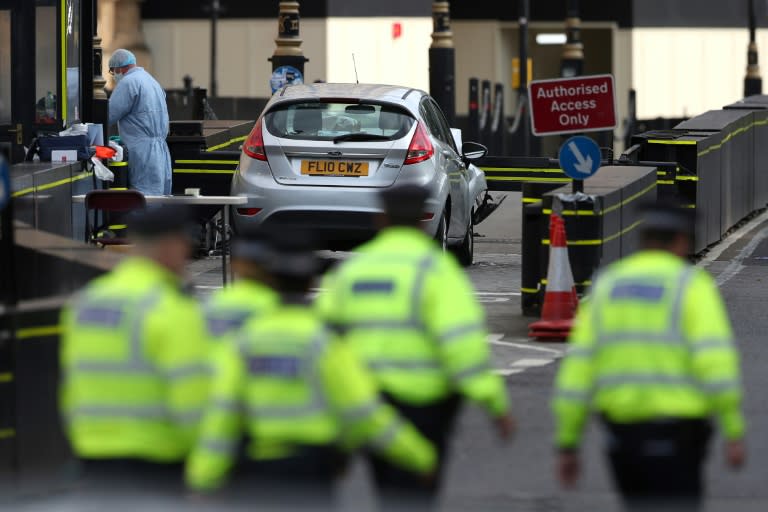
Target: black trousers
pixel 306 480
pixel 657 466
pixel 129 478
pixel 402 490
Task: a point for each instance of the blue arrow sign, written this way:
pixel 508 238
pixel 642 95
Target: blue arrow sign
pixel 580 157
pixel 5 183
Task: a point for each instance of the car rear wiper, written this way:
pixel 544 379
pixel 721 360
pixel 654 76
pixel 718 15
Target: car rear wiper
pixel 359 136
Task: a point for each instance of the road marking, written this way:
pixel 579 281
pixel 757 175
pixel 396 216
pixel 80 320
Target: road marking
pixel 736 265
pixel 527 345
pixel 548 355
pixel 732 239
pixel 521 365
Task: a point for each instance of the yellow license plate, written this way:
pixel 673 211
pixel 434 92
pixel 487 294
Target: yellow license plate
pixel 333 168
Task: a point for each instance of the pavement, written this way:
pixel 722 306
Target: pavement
pixel 485 474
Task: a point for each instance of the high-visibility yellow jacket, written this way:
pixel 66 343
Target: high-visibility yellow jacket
pixel 227 309
pixel 652 341
pixel 286 383
pixel 410 312
pixel 134 359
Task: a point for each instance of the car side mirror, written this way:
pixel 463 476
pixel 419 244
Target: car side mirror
pixel 473 150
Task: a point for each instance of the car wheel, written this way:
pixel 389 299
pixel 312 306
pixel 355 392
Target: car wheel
pixel 441 237
pixel 465 252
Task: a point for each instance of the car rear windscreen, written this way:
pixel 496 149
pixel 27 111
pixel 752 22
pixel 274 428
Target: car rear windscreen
pixel 326 121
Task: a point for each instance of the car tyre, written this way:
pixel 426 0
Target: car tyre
pixel 465 252
pixel 441 237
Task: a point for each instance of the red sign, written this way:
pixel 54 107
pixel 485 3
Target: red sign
pixel 573 105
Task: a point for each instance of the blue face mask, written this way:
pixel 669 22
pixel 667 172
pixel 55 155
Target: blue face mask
pixel 117 77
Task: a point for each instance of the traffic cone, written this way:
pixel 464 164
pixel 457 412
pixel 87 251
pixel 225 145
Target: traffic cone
pixel 560 299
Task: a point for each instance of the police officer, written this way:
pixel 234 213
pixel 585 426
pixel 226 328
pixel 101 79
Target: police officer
pixel 289 401
pixel 409 311
pixel 134 363
pixel 652 352
pixel 250 295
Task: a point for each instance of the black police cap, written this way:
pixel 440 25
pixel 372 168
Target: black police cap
pixel 159 221
pixel 254 244
pixel 405 201
pixel 665 215
pixel 289 251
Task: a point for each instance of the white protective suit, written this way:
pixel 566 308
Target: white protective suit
pixel 138 106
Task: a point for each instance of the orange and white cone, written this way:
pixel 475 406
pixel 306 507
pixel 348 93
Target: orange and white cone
pixel 560 299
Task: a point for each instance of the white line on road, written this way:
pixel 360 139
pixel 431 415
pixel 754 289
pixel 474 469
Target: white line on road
pixel 527 346
pixel 736 265
pixel 732 239
pixel 521 365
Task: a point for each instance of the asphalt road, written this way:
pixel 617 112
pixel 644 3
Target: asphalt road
pixel 486 474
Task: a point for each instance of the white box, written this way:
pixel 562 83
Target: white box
pixel 64 155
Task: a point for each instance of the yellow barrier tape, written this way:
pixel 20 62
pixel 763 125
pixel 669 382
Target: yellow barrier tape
pixel 687 178
pixel 665 182
pixel 6 433
pixel 575 243
pixel 547 211
pixel 631 198
pixel 531 200
pixel 673 142
pixel 529 290
pixel 203 171
pixel 117 226
pixel 6 377
pixel 37 332
pixel 583 283
pixel 225 144
pixel 690 206
pixel 117 164
pixel 623 231
pixel 222 162
pixel 51 185
pixel 118 188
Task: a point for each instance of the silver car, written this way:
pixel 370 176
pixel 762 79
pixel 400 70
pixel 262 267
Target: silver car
pixel 319 154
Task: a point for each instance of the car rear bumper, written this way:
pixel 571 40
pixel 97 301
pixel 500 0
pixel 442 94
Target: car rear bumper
pixel 336 217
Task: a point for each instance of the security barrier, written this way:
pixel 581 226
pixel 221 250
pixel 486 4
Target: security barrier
pixel 600 223
pixel 718 165
pixel 49 269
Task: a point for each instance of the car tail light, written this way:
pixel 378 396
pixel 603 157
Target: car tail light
pixel 427 217
pixel 249 212
pixel 254 145
pixel 421 147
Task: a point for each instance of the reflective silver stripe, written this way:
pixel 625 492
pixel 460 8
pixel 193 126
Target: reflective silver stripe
pixel 705 345
pixel 221 322
pixel 644 379
pixel 458 332
pixel 316 403
pixel 362 411
pixel 136 363
pixel 581 352
pixel 472 371
pixel 384 325
pixel 225 405
pixel 623 337
pixel 402 364
pixel 219 446
pixel 189 371
pixel 676 329
pixel 144 412
pixel 720 386
pixel 418 290
pixel 385 439
pixel 189 417
pixel 572 395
